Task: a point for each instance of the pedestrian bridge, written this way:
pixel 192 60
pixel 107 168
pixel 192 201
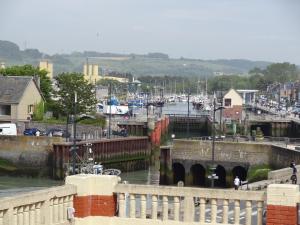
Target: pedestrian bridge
pixel 94 199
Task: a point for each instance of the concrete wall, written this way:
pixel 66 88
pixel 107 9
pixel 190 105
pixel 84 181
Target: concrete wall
pixel 28 153
pixel 250 153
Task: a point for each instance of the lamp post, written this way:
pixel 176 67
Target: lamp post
pixel 213 168
pixel 109 118
pixel 74 134
pixel 188 122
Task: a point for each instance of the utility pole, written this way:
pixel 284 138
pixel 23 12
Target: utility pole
pixel 109 118
pixel 74 134
pixel 188 122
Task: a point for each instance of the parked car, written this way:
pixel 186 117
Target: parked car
pixel 122 133
pixel 57 132
pixel 33 132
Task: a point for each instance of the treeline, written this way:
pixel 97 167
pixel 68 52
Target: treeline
pixel 257 79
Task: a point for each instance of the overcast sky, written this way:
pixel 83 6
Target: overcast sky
pixel 205 29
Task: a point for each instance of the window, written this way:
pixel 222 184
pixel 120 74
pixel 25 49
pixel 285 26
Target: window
pixel 227 102
pixel 5 110
pixel 30 109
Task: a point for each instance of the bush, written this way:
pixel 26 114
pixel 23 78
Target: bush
pixel 38 113
pixel 258 173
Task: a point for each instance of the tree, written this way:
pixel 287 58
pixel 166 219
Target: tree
pixel 68 84
pixel 281 72
pixel 29 70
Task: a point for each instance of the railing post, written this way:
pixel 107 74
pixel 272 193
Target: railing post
pixel 132 206
pixel 143 206
pixel 237 211
pixel 176 208
pixel 122 208
pixel 188 214
pixel 154 207
pixel 46 212
pixel 202 210
pixel 20 216
pixel 61 209
pixel 31 214
pixel 259 212
pixel 248 212
pixel 65 206
pixel 26 215
pixel 38 213
pixel 165 208
pixel 225 211
pixel 213 211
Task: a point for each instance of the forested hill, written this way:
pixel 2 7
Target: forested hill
pixel 153 64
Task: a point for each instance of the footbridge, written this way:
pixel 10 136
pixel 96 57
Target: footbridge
pixel 190 160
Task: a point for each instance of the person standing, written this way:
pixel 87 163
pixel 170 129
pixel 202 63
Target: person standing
pixel 236 183
pixel 294 175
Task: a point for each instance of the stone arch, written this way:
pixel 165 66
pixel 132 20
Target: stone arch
pixel 178 173
pixel 198 175
pixel 239 171
pixel 221 173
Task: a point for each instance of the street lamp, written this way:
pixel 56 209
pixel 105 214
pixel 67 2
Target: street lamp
pixel 188 121
pixel 213 175
pixel 74 134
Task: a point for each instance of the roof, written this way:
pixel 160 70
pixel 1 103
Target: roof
pixel 233 90
pixel 246 91
pixel 12 88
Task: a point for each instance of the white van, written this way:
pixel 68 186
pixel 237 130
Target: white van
pixel 8 129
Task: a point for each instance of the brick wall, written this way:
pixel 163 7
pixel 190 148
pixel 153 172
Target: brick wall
pixel 95 195
pixel 282 200
pixel 235 112
pixel 281 215
pixel 95 205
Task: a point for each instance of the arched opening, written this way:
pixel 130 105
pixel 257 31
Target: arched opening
pixel 178 173
pixel 221 173
pixel 239 171
pixel 265 128
pixel 198 174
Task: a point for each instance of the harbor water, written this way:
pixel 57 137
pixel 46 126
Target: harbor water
pixel 13 185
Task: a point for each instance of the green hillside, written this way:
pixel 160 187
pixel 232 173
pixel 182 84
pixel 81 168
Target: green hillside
pixel 153 64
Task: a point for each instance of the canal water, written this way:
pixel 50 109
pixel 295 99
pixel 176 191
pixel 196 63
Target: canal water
pixel 12 185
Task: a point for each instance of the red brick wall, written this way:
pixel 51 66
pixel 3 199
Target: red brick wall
pixel 281 215
pixel 234 113
pixel 95 205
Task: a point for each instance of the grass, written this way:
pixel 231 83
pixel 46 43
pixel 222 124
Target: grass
pixel 6 165
pixel 257 173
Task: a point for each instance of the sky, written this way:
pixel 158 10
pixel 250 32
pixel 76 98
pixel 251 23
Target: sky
pixel 266 30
